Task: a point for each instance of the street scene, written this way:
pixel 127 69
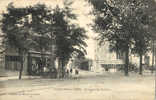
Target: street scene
pixel 89 86
pixel 78 50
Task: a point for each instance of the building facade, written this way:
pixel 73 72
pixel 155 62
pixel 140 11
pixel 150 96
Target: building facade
pixel 105 59
pixel 32 61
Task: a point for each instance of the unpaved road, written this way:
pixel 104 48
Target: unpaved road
pixel 90 86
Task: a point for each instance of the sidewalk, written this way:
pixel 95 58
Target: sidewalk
pixel 8 75
pixel 16 77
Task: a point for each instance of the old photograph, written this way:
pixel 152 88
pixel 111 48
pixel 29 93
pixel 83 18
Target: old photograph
pixel 77 49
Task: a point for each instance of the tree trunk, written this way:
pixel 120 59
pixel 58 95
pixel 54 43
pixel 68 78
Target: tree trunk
pixel 42 63
pixel 21 69
pixel 127 62
pixel 152 56
pixel 61 71
pixel 52 58
pixel 140 68
pixel 59 68
pixel 52 66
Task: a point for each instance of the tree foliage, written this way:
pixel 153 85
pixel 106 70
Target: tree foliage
pixel 39 27
pixel 123 24
pixel 69 37
pixel 16 29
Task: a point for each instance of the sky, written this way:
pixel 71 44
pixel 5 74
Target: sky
pixel 80 7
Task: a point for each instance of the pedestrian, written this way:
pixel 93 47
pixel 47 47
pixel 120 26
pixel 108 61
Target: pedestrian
pixel 76 72
pixel 67 73
pixel 71 70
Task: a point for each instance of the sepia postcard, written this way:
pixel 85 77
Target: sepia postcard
pixel 77 49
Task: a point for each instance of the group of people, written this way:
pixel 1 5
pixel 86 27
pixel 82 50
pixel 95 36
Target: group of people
pixel 72 72
pixel 39 67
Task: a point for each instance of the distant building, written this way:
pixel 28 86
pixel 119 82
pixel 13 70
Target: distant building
pixel 32 61
pixel 106 59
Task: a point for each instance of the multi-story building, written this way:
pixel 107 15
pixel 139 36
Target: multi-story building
pixel 105 59
pixel 31 64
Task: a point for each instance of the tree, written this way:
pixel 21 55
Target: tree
pixel 63 37
pixel 143 34
pixel 141 45
pixel 151 13
pixel 15 26
pixel 46 29
pixel 69 37
pixel 39 28
pixel 117 22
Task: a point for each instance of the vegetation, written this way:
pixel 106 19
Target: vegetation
pixel 44 29
pixel 16 29
pixel 124 25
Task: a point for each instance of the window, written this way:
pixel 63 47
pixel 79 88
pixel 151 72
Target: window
pixel 12 58
pixel 12 63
